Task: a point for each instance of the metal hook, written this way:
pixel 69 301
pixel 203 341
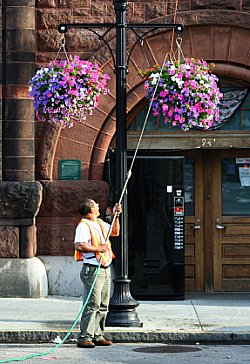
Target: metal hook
pixel 62 48
pixel 141 41
pixel 179 50
pixel 178 41
pixel 63 40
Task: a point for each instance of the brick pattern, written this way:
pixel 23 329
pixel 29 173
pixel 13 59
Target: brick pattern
pixel 58 215
pixel 19 204
pixel 20 196
pixel 10 236
pixel 51 13
pixel 1 95
pixel 89 141
pixel 19 51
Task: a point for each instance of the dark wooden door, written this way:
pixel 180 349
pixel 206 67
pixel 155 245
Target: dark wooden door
pixel 218 221
pixel 229 236
pixel 194 226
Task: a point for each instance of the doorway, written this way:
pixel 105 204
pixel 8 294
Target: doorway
pixel 156 227
pixel 217 222
pixel 217 218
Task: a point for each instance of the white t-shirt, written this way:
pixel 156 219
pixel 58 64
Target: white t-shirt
pixel 82 235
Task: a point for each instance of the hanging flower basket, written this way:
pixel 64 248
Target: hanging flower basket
pixel 187 95
pixel 67 90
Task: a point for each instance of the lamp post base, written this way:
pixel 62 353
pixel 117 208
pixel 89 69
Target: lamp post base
pixel 122 308
pixel 123 319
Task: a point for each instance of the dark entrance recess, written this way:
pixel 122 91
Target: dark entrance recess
pixel 155 225
pixel 156 228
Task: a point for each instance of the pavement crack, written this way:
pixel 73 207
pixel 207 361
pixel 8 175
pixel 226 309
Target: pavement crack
pixel 201 326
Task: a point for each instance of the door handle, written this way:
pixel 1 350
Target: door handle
pixel 218 224
pixel 197 225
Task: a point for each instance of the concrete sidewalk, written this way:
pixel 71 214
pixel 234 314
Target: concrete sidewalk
pixel 203 318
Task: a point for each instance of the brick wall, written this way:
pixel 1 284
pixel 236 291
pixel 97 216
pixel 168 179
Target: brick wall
pixel 208 23
pixel 50 13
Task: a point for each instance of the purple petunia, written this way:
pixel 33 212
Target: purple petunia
pixel 67 89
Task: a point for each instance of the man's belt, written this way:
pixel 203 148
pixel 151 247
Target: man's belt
pixel 95 266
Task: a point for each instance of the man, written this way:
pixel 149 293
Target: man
pixel 90 240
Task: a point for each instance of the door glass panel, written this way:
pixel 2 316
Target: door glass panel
pixel 235 187
pixel 189 186
pixel 156 264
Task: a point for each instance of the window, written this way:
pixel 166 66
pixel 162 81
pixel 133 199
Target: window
pixel 235 186
pixel 235 112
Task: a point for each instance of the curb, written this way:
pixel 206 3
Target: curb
pixel 132 337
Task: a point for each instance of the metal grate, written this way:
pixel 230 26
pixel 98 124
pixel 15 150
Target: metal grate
pixel 166 349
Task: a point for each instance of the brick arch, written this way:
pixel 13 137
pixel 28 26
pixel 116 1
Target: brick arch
pixel 234 64
pixel 107 132
pixel 223 44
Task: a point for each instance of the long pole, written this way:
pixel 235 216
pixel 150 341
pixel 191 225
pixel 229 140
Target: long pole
pixel 122 305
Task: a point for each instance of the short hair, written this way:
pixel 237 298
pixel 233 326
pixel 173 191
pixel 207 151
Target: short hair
pixel 85 206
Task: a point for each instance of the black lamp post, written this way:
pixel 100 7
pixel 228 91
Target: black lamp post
pixel 122 309
pixel 122 305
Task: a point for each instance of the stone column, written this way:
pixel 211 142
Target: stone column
pixel 1 88
pixel 20 195
pixel 18 67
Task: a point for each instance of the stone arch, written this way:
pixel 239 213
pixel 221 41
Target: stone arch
pixel 233 64
pixel 223 44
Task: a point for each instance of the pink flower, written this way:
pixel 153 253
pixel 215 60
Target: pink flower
pixel 170 113
pixel 187 94
pixel 164 93
pixel 164 108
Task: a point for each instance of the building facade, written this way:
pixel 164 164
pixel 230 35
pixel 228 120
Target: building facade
pixel 39 209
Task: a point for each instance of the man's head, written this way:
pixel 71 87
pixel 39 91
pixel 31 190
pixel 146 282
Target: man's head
pixel 88 206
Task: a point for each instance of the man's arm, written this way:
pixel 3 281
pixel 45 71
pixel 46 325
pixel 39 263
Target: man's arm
pixel 87 248
pixel 115 228
pixel 116 225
